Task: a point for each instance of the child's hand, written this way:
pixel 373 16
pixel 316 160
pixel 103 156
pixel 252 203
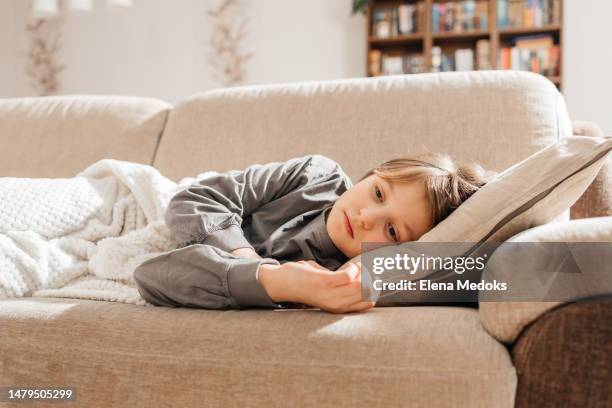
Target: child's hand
pixel 334 292
pixel 245 253
pixel 354 272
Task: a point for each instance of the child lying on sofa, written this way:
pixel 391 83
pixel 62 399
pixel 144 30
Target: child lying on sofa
pixel 272 235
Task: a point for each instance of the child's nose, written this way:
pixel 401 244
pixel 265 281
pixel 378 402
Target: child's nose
pixel 365 219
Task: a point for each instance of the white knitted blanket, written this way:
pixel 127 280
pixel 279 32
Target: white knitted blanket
pixel 82 237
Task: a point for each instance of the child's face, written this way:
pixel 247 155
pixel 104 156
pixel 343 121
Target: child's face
pixel 377 211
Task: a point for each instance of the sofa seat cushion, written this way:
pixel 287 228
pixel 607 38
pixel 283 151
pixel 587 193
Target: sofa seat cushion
pixel 125 355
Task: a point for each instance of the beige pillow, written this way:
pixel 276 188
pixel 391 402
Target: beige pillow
pixel 506 320
pixel 532 192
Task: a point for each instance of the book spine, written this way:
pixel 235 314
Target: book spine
pixel 515 58
pixel 458 18
pixel 419 17
pixel 556 11
pixel 403 19
pixel 374 61
pixel 449 16
pixel 483 54
pixel 394 22
pixel 484 16
pixel 410 19
pixel 472 15
pixel 527 14
pixel 436 59
pixel 435 17
pixel 502 13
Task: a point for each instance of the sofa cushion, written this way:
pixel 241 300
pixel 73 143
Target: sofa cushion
pixel 532 192
pixel 125 355
pixel 506 320
pixel 494 117
pixel 58 136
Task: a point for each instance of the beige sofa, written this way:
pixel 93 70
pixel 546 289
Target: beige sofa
pixel 115 354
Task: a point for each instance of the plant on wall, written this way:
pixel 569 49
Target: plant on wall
pixel 43 67
pixel 360 5
pixel 227 60
pixel 44 29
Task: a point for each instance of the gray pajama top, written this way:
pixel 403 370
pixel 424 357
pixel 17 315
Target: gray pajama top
pixel 278 209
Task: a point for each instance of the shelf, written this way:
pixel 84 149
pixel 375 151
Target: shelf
pixel 531 30
pixel 424 41
pixel 403 39
pixel 459 35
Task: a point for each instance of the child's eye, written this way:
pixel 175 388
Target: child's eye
pixel 393 233
pixel 378 193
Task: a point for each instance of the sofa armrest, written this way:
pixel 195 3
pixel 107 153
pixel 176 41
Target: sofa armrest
pixel 563 358
pixel 585 128
pixel 597 199
pixel 506 320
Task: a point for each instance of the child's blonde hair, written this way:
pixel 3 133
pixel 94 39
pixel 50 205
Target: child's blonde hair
pixel 448 184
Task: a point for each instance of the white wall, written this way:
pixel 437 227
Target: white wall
pixel 587 61
pixel 307 40
pixel 159 48
pixel 8 51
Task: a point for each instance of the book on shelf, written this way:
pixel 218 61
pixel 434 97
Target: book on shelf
pixel 404 19
pixel 536 53
pixel 483 54
pixel 436 59
pixel 528 13
pixel 374 62
pixel 441 61
pixel 448 62
pixel 386 64
pixel 462 59
pixel 460 16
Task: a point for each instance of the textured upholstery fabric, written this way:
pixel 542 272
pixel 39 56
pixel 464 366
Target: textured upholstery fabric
pixel 58 136
pixel 563 359
pixel 494 117
pixel 125 355
pixel 597 200
pixel 584 128
pixel 506 320
pixel 566 181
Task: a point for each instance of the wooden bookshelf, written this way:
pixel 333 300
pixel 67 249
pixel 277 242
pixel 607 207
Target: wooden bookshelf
pixel 422 42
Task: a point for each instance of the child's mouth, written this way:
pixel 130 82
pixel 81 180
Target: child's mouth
pixel 347 224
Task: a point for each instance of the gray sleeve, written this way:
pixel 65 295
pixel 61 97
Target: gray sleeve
pixel 210 211
pixel 203 276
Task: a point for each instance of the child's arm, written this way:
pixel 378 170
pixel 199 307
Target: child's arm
pixel 212 270
pixel 203 276
pixel 199 276
pixel 211 210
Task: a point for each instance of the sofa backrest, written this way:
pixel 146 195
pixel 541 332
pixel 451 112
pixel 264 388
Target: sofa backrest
pixel 58 136
pixel 494 117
